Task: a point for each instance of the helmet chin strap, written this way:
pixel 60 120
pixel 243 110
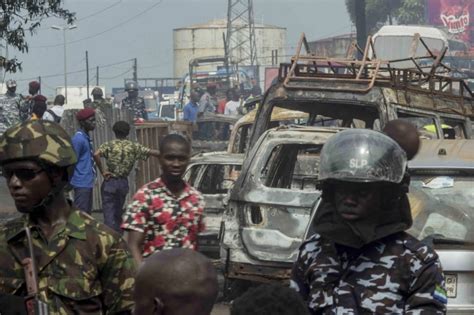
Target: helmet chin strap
pixel 55 191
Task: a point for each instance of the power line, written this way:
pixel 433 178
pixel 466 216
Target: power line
pixel 100 11
pixel 116 76
pixel 106 30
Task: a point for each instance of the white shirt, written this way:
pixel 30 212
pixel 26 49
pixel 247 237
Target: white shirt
pixel 231 108
pixel 57 109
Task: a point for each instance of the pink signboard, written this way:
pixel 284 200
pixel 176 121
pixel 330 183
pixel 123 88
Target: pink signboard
pixel 454 16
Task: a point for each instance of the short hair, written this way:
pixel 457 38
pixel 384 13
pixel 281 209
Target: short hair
pixel 173 138
pixel 39 108
pixel 121 129
pixel 59 99
pixel 269 299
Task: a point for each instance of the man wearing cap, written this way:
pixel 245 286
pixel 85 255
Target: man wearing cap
pixel 9 104
pixel 84 173
pixel 134 103
pixel 26 105
pixel 39 107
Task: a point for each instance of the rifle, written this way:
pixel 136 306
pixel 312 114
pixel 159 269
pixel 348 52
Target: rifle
pixel 34 306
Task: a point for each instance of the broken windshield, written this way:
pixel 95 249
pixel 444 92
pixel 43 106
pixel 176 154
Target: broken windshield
pixel 442 206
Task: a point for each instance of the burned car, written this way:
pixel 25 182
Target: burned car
pixel 368 93
pixel 212 132
pixel 213 174
pixel 270 203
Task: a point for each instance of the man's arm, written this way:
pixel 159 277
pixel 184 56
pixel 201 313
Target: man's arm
pixel 428 293
pixel 186 115
pixel 135 242
pixel 98 162
pixel 117 277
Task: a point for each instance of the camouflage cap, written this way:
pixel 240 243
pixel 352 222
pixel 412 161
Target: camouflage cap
pixel 97 91
pixel 11 83
pixel 41 139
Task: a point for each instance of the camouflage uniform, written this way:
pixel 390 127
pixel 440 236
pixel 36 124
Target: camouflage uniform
pixel 394 275
pixel 137 106
pixel 85 268
pixel 26 107
pixel 120 155
pixel 9 111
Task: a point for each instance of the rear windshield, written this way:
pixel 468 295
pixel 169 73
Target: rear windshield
pixel 442 207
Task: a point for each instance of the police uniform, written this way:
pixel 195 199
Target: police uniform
pixel 367 265
pixel 9 111
pixel 120 156
pixel 137 106
pixel 26 107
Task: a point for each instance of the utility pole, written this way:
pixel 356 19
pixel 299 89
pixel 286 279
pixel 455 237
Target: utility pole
pixel 241 46
pixel 87 72
pixel 64 29
pixel 135 75
pixel 39 80
pixel 361 25
pixel 97 76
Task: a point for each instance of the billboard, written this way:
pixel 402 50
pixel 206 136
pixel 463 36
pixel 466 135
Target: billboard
pixel 455 17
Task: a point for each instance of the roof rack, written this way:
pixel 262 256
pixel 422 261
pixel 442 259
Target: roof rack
pixel 360 76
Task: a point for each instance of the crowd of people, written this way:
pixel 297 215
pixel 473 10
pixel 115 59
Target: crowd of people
pixel 143 260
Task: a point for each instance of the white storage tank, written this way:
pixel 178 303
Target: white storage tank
pixel 204 40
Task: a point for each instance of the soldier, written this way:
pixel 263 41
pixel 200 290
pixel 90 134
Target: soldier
pixel 9 104
pixel 120 155
pixel 360 259
pixel 26 104
pixel 83 267
pixel 134 103
pixel 100 105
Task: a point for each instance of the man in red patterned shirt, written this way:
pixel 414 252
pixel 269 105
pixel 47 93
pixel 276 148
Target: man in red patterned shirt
pixel 167 212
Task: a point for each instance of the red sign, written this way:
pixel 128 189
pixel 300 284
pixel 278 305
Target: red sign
pixel 455 16
pixel 271 73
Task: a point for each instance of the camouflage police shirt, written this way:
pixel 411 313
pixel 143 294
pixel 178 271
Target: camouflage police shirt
pixel 121 155
pixel 394 275
pixel 9 111
pixel 85 268
pixel 26 107
pixel 137 106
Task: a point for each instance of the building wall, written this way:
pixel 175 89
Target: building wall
pixel 207 40
pixel 334 47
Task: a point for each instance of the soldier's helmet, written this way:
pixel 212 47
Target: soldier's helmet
pixel 361 155
pixel 11 83
pixel 40 140
pixel 97 91
pixel 131 86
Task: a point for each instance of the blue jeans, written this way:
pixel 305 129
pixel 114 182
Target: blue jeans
pixel 114 192
pixel 83 199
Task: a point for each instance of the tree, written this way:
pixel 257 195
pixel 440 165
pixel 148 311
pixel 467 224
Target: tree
pixel 17 17
pixel 378 12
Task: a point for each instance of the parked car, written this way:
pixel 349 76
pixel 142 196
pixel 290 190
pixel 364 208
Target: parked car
pixel 270 204
pixel 441 197
pixel 213 174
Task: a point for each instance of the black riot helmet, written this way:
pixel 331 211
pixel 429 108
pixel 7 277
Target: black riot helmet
pixel 131 86
pixel 362 155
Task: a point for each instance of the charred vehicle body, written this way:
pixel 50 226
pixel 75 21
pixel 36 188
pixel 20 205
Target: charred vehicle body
pixel 368 93
pixel 270 203
pixel 213 174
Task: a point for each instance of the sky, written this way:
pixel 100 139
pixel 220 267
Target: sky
pixel 116 31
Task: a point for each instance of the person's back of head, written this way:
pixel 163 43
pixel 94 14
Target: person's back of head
pixel 39 106
pixel 121 129
pixel 269 299
pixel 175 282
pixel 59 100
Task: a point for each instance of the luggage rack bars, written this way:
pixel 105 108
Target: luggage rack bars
pixel 362 75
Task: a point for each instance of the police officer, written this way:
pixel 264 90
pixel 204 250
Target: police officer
pixel 9 107
pixel 133 102
pixel 83 267
pixel 360 260
pixel 100 105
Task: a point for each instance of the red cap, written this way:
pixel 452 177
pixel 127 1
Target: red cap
pixel 34 84
pixel 85 113
pixel 39 98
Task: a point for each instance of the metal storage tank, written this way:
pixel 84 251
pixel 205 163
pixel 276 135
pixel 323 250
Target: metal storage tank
pixel 206 39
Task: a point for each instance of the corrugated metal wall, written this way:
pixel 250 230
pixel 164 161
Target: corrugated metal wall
pixel 148 134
